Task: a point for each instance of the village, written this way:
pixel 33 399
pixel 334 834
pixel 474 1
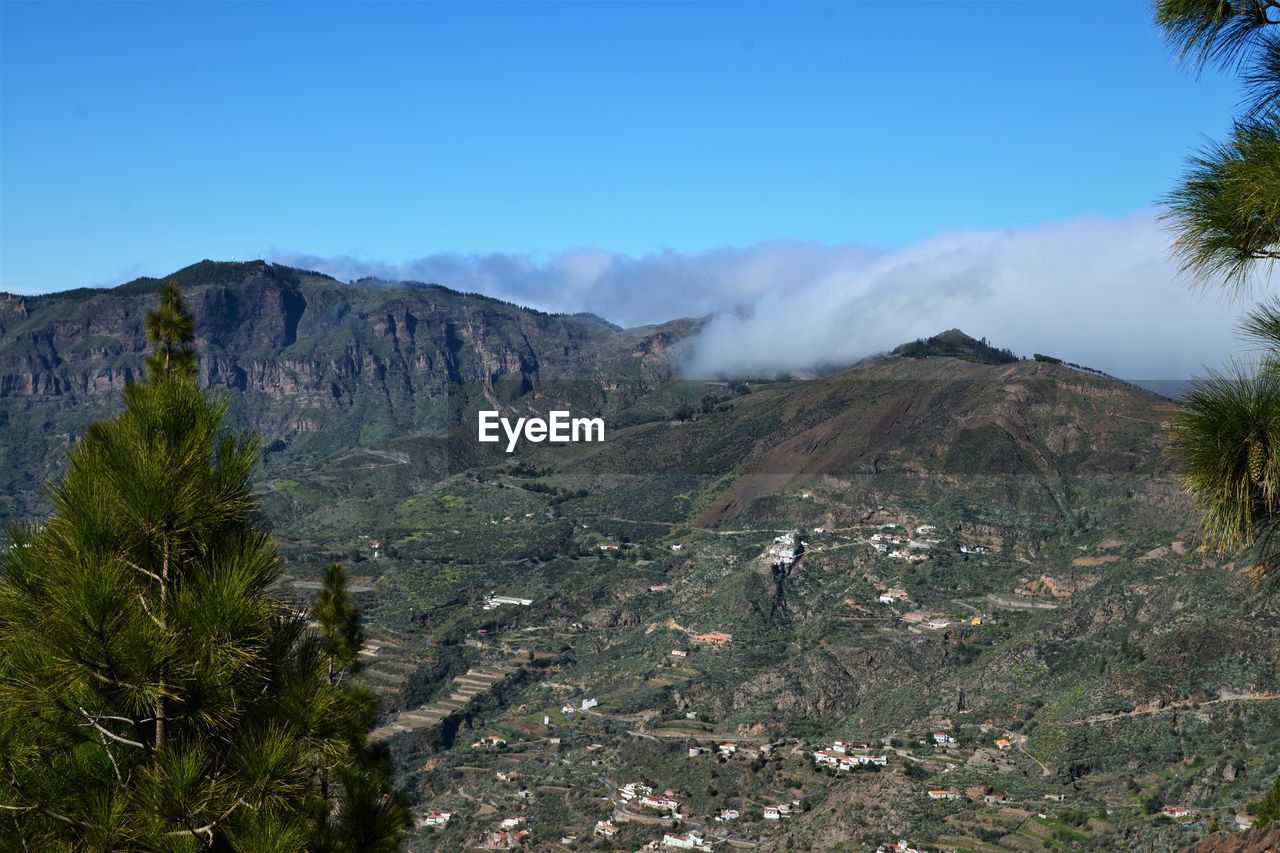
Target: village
pixel 678 825
pixel 578 737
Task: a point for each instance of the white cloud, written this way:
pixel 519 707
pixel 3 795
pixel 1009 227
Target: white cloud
pixel 1100 292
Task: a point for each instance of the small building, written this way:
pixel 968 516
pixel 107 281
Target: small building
pixel 944 794
pixel 659 587
pixel 727 815
pixel 661 803
pixel 588 704
pixel 679 653
pixel 489 742
pixel 1003 743
pixel 827 758
pixel 728 749
pixel 435 817
pixel 606 829
pixel 684 841
pixel 942 738
pixel 677 547
pixel 714 638
pixel 1179 811
pixel 631 790
pixel 493 602
pixel 899 846
pixel 772 813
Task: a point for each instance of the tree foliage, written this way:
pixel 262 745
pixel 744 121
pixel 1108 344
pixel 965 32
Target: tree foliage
pixel 340 627
pixel 1269 808
pixel 1226 211
pixel 154 695
pixel 1225 215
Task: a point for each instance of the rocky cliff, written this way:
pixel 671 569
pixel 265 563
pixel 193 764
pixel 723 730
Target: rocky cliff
pixel 312 363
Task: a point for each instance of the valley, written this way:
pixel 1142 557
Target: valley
pixel 942 597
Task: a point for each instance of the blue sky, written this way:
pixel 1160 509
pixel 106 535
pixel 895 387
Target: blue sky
pixel 137 138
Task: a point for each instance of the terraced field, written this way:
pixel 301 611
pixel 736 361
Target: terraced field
pixel 466 687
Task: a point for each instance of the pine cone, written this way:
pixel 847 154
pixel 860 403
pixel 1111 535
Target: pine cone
pixel 1257 461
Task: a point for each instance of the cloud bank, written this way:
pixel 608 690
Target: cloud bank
pixel 1099 292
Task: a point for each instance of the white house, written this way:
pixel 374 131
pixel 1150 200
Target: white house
pixel 944 794
pixel 435 817
pixel 661 803
pixel 827 758
pixel 588 704
pixel 684 841
pixel 631 790
pixel 605 829
pixel 727 815
pixel 772 813
pixel 492 602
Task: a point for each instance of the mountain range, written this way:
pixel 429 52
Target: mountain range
pixel 981 566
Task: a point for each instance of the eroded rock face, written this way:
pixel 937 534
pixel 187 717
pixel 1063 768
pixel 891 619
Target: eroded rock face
pixel 304 355
pixel 1263 840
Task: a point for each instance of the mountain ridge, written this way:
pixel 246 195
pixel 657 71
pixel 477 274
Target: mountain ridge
pixel 1037 574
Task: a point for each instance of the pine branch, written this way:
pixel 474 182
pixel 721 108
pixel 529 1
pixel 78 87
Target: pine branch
pixel 93 722
pixel 208 828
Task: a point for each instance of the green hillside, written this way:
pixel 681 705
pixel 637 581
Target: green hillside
pixel 1043 586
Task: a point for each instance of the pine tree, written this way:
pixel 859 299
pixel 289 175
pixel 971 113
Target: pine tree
pixel 1225 215
pixel 339 620
pixel 154 695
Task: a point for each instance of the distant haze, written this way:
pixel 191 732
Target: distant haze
pixel 1099 292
